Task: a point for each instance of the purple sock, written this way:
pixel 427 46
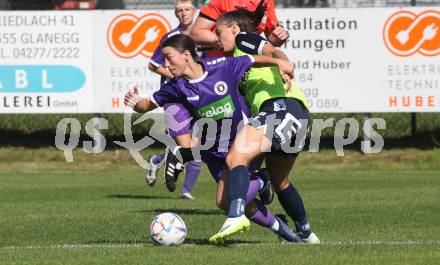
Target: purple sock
pixel 254 186
pixel 158 158
pixel 191 173
pixel 262 216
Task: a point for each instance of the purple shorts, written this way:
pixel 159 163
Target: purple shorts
pixel 178 119
pixel 216 162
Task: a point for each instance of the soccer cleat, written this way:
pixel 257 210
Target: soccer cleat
pixel 232 226
pixel 151 171
pixel 266 193
pixel 186 196
pixel 284 231
pixel 311 239
pixel 173 167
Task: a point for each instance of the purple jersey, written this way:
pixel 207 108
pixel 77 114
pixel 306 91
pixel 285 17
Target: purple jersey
pixel 214 96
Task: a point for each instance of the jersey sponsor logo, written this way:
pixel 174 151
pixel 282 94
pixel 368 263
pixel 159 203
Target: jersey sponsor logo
pixel 218 110
pixel 220 88
pixel 407 33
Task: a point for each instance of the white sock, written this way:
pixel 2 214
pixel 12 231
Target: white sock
pixel 275 226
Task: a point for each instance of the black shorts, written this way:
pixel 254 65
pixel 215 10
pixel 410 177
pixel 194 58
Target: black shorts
pixel 285 122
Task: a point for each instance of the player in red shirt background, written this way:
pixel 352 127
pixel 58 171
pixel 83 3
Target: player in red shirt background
pixel 265 19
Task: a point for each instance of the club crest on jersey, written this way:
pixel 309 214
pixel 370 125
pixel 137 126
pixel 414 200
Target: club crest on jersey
pixel 220 88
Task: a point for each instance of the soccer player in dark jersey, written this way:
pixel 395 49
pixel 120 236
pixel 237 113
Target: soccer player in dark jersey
pixel 175 113
pixel 208 89
pixel 281 116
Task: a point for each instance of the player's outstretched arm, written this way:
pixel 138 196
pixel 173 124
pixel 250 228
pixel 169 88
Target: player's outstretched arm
pixel 270 50
pixel 138 103
pixel 202 34
pixel 286 67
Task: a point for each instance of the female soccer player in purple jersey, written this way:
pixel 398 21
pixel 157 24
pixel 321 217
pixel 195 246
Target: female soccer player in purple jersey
pixel 175 113
pixel 208 89
pixel 280 118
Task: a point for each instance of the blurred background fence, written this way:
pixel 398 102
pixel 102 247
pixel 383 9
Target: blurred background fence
pixel 403 129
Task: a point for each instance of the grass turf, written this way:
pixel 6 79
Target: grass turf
pixel 377 209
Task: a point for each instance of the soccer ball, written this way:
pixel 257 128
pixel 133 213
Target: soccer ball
pixel 167 229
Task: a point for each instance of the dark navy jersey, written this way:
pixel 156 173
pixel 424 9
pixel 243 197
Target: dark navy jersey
pixel 250 43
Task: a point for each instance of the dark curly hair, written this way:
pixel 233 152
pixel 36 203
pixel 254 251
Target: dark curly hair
pixel 181 42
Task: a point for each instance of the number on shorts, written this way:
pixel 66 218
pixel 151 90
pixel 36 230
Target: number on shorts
pixel 290 123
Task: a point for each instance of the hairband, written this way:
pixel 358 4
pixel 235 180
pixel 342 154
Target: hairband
pixel 183 5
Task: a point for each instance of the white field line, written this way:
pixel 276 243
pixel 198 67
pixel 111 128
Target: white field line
pixel 139 245
pixel 72 246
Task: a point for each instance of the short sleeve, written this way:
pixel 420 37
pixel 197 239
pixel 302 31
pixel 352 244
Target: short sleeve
pixel 250 43
pixel 239 65
pixel 157 58
pixel 166 94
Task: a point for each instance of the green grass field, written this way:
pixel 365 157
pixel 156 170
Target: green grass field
pixel 377 209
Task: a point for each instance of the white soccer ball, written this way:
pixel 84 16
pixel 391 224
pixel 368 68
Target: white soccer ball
pixel 167 229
